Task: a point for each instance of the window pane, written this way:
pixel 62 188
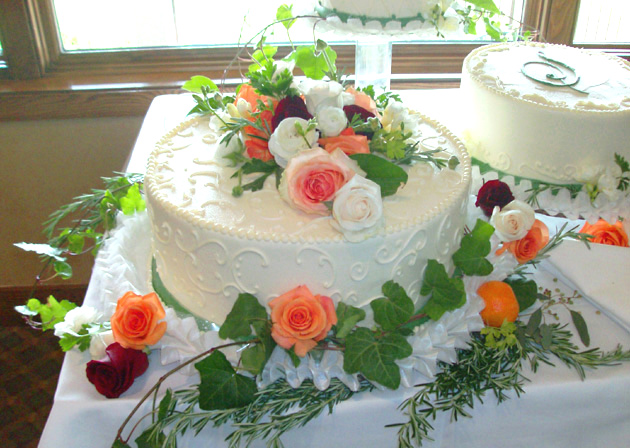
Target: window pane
pixel 603 21
pixel 115 24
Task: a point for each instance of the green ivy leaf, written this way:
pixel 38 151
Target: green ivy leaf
pixel 312 62
pixel 347 317
pixel 261 55
pixel 582 328
pixel 446 293
pixel 389 176
pixel 394 309
pixel 285 13
pixel 475 246
pixel 63 269
pixel 487 5
pixel 120 444
pixel 165 405
pixel 195 84
pixel 374 358
pixel 534 322
pixel 526 291
pixel 245 313
pixel 221 387
pixel 51 312
pixel 150 440
pixel 132 202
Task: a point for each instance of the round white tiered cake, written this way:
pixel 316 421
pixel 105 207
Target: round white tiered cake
pixel 546 112
pixel 209 246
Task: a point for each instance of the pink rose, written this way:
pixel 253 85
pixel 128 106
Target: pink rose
pixel 313 176
pixel 114 374
pixel 301 319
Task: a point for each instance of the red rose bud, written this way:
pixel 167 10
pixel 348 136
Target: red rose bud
pixel 114 374
pixel 493 193
pixel 352 110
pixel 291 106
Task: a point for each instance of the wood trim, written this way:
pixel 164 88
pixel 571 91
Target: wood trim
pixel 12 296
pixel 562 21
pixel 19 43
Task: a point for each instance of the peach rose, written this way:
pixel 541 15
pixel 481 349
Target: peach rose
pixel 349 144
pixel 135 322
pixel 248 93
pixel 362 100
pixel 314 176
pixel 528 247
pixel 606 233
pixel 301 319
pixel 257 141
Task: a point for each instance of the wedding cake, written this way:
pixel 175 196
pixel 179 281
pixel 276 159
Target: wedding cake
pixel 547 112
pixel 210 245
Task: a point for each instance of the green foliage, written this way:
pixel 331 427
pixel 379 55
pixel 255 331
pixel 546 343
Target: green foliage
pixel 316 61
pixel 347 318
pixel 382 99
pixel 262 54
pixel 221 387
pixel 624 179
pixel 394 309
pixel 265 83
pixel 487 5
pixel 389 176
pixel 391 143
pixel 500 338
pixel 284 14
pixel 199 84
pixel 446 294
pixel 50 313
pixel 526 291
pixel 474 247
pixel 252 166
pixel 374 356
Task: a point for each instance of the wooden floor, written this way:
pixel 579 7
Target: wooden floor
pixel 29 369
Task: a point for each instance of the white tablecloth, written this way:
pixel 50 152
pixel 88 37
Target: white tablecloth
pixel 557 410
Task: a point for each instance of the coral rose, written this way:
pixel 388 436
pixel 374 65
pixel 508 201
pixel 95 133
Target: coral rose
pixel 313 177
pixel 301 319
pixel 135 321
pixel 605 233
pixel 528 247
pixel 349 144
pixel 257 140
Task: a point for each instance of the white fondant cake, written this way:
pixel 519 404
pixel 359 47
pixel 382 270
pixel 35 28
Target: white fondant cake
pixel 521 124
pixel 210 246
pixel 400 9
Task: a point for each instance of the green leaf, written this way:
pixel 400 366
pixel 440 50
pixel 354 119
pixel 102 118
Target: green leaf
pixel 374 358
pixel 534 322
pixel 446 293
pixel 347 317
pixel 491 29
pixel 285 13
pixel 63 269
pixel 245 313
pixel 145 440
pixel 394 309
pixel 546 334
pixel 580 325
pixel 132 202
pixel 474 247
pixel 165 404
pixel 195 84
pixel 120 444
pixel 313 63
pixel 487 5
pixel 261 55
pixel 526 291
pixel 254 358
pixel 42 249
pixel 295 359
pixel 389 176
pixel 221 387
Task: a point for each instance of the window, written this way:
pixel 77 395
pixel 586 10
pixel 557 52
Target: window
pixel 79 54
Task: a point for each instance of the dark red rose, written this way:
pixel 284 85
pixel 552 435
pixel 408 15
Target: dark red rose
pixel 290 106
pixel 353 110
pixel 114 374
pixel 493 193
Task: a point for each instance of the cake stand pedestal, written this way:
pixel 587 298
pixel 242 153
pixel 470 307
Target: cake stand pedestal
pixel 373 63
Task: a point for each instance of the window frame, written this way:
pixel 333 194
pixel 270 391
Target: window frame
pixel 91 84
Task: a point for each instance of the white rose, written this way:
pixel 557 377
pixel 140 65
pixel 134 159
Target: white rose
pixel 609 181
pixel 320 94
pixel 331 121
pixel 286 141
pixel 281 66
pixel 513 221
pixel 75 319
pixel 358 209
pixel 395 114
pixel 99 343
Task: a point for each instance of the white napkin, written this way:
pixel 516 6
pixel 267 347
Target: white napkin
pixel 601 274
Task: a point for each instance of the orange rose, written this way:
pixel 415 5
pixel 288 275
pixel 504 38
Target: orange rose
pixel 257 141
pixel 528 247
pixel 135 322
pixel 605 233
pixel 349 144
pixel 301 319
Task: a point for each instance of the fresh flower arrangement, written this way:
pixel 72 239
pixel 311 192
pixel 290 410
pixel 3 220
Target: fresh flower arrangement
pixel 333 150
